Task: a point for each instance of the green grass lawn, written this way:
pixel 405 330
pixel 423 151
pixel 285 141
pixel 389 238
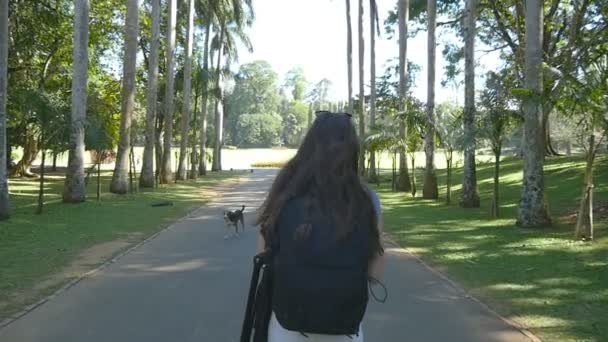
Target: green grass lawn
pixel 33 247
pixel 543 279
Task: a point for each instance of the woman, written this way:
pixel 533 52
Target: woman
pixel 323 226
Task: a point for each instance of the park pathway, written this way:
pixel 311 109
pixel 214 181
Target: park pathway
pixel 189 284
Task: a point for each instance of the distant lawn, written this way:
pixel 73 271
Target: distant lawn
pixel 34 248
pixel 543 279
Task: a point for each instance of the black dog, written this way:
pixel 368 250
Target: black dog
pixel 232 218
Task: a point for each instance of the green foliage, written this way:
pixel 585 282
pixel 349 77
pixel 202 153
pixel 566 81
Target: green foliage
pixel 449 126
pixel 296 82
pixel 258 130
pixel 498 119
pixel 295 120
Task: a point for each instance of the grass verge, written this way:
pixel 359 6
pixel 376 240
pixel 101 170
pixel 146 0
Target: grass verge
pixel 543 279
pixel 38 252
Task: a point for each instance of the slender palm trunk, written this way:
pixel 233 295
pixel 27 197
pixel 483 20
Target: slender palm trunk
pixel 349 56
pixel 119 184
pixel 4 201
pixel 413 158
pixel 495 200
pixel 158 147
pixel 429 188
pixel 469 195
pixel 404 183
pixel 372 106
pixel 193 173
pixel 584 221
pixel 448 158
pixel 41 181
pixel 99 178
pixel 54 166
pixel 202 168
pixel 74 190
pixel 187 107
pixel 361 88
pixel 146 179
pixel 166 174
pixel 219 111
pixel 532 211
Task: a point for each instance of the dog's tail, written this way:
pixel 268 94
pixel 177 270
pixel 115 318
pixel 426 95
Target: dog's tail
pixel 243 208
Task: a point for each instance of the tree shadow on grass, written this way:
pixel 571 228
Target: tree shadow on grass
pixel 541 278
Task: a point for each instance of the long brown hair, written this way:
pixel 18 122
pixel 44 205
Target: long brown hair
pixel 324 173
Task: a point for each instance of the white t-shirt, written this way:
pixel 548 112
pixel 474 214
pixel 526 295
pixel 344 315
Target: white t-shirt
pixel 276 333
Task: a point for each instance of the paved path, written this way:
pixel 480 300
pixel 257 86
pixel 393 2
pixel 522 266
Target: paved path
pixel 189 284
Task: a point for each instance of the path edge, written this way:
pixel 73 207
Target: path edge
pixel 392 244
pixel 17 316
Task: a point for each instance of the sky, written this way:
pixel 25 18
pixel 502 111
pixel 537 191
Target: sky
pixel 312 34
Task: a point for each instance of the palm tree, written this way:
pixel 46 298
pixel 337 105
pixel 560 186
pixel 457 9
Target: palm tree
pixel 232 22
pixel 4 201
pixel 74 190
pixel 429 188
pixel 216 164
pixel 146 179
pixel 187 106
pixel 532 211
pixel 119 184
pixel 361 102
pixel 469 196
pixel 166 174
pixel 403 183
pixel 349 56
pixel 202 168
pixel 374 23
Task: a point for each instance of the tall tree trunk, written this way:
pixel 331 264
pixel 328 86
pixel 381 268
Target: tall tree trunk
pixel 349 56
pixel 158 148
pixel 202 169
pixel 219 117
pixel 404 183
pixel 193 173
pixel 119 184
pixel 372 106
pixel 4 201
pixel 361 88
pixel 146 179
pixel 495 200
pixel 166 174
pixel 187 106
pixel 532 210
pixel 74 190
pixel 429 188
pixel 469 195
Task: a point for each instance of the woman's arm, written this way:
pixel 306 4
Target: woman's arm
pixel 260 244
pixel 376 264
